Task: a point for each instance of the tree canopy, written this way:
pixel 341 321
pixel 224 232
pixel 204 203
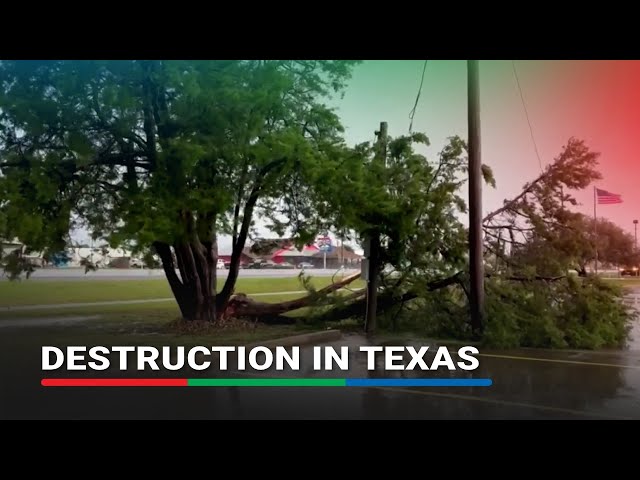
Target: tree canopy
pixel 164 153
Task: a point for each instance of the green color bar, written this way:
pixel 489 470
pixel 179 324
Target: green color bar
pixel 266 382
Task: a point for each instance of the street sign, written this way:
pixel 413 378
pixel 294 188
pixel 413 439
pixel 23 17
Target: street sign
pixel 324 244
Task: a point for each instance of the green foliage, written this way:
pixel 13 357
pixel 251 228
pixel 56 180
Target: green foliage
pixel 162 151
pixel 487 175
pixel 306 282
pixel 572 245
pixel 88 265
pixel 572 313
pixel 536 232
pixel 150 260
pixel 14 265
pixel 438 314
pixel 411 202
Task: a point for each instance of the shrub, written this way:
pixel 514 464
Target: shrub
pixel 569 313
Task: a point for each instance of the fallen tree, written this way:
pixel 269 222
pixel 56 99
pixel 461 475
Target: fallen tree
pixel 530 299
pixel 242 306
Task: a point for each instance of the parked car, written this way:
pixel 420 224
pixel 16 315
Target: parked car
pixel 283 266
pixel 261 264
pixel 220 265
pixel 630 271
pixel 306 265
pixel 136 263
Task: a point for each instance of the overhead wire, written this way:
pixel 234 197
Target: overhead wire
pixel 526 113
pixel 415 105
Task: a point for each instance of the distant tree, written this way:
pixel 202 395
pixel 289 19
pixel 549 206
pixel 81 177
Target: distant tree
pixel 150 260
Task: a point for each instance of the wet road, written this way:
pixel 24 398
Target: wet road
pixel 527 384
pixel 140 274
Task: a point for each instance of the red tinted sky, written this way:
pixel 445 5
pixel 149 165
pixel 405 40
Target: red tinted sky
pixel 600 100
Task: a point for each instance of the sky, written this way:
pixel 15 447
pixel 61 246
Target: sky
pixel 597 101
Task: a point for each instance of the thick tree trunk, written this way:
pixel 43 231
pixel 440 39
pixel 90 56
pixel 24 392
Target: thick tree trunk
pixel 194 289
pixel 177 288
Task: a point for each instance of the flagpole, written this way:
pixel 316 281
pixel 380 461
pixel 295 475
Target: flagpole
pixel 595 227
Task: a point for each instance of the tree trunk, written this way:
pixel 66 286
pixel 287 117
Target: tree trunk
pixel 242 306
pixel 386 300
pixel 194 289
pixel 227 290
pixel 581 268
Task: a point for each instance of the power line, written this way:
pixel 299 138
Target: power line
pixel 526 113
pixel 415 105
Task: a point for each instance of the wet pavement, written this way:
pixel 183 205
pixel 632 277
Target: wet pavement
pixel 527 384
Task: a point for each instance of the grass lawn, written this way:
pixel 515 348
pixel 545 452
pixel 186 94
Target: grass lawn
pixel 35 292
pixel 624 282
pixel 138 324
pixel 153 324
pixel 160 311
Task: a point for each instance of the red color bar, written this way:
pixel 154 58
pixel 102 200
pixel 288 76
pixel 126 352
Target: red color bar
pixel 114 382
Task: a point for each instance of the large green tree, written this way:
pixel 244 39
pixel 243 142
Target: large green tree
pixel 167 154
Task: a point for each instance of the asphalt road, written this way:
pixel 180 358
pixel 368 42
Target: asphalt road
pixel 527 384
pixel 140 274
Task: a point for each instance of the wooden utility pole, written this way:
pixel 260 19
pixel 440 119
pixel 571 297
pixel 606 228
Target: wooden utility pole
pixel 372 247
pixel 595 227
pixel 476 246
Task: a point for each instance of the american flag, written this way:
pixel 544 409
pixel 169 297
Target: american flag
pixel 607 198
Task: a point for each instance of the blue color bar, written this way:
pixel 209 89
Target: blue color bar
pixel 419 382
